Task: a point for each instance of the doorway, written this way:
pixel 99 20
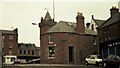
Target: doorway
pixel 71 54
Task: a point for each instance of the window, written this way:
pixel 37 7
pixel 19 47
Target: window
pixel 94 41
pixel 105 35
pixel 20 51
pixel 28 52
pixel 10 45
pixel 50 39
pixel 11 37
pixel 52 52
pixel 32 52
pixel 92 27
pixel 108 34
pixel 24 52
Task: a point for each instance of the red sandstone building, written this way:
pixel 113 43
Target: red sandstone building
pixel 66 42
pixel 9 43
pixel 28 51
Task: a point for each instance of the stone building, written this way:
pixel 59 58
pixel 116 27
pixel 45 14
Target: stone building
pixel 109 34
pixel 28 51
pixel 9 44
pixel 66 42
pixel 94 23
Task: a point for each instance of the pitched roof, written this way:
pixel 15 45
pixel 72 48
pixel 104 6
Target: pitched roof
pixel 8 31
pixel 64 26
pixel 111 20
pixel 27 45
pixel 99 22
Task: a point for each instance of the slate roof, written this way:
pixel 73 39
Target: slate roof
pixel 64 26
pixel 47 17
pixel 111 20
pixel 99 22
pixel 26 46
pixel 8 31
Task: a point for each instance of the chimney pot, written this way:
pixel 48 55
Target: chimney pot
pixel 114 11
pixel 78 13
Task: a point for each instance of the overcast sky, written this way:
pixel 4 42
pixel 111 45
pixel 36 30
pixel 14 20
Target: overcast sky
pixel 22 13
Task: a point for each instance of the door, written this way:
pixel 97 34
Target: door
pixel 71 54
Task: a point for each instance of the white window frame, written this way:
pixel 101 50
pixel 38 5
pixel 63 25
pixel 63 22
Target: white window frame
pixel 50 37
pixel 50 51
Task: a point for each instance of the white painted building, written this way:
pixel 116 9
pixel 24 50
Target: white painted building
pixel 94 23
pixel 0 49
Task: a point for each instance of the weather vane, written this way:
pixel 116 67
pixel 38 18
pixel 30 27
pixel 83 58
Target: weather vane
pixel 47 9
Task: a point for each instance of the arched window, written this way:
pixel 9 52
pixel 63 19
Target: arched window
pixel 92 27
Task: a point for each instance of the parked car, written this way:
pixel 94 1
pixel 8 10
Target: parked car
pixel 20 61
pixel 93 59
pixel 112 61
pixel 34 61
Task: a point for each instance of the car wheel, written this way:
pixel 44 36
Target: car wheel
pixel 86 63
pixel 96 64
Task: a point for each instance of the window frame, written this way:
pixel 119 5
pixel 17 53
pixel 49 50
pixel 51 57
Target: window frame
pixel 51 38
pixel 51 52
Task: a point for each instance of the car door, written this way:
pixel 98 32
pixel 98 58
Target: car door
pixel 92 60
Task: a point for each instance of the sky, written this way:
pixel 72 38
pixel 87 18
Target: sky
pixel 22 13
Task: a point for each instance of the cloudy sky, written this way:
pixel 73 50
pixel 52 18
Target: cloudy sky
pixel 22 13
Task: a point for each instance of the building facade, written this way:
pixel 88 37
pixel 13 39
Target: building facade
pixel 0 49
pixel 109 34
pixel 28 51
pixel 94 23
pixel 66 42
pixel 9 40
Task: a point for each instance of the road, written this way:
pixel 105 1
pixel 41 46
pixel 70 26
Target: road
pixel 50 66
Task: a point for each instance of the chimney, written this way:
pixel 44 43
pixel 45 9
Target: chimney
pixel 92 16
pixel 80 23
pixel 114 11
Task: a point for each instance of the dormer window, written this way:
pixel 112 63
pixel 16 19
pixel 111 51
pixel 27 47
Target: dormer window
pixel 50 39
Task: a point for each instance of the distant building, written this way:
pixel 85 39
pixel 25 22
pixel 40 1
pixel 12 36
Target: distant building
pixel 9 42
pixel 28 51
pixel 94 23
pixel 109 34
pixel 66 42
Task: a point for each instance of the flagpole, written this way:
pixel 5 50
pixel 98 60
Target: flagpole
pixel 53 10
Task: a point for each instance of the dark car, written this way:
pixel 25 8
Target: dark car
pixel 19 61
pixel 34 61
pixel 112 61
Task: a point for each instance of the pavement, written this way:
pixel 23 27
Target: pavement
pixel 48 66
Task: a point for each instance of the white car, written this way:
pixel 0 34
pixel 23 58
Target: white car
pixel 93 59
